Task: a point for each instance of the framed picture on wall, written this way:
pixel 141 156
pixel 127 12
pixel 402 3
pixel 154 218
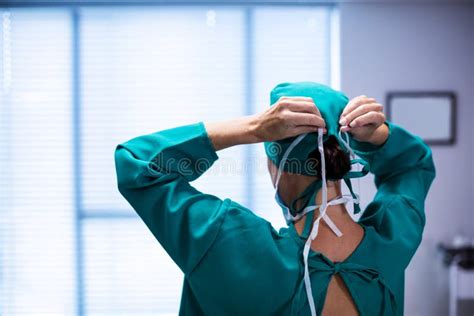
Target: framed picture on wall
pixel 430 115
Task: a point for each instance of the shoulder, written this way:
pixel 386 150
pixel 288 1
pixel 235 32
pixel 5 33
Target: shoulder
pixel 244 233
pixel 245 224
pixel 247 248
pixel 393 207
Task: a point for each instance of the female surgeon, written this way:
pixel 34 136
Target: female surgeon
pixel 324 262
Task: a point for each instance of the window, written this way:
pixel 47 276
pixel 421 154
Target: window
pixel 36 175
pixel 78 81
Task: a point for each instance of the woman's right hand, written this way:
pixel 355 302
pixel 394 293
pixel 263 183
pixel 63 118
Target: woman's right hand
pixel 288 117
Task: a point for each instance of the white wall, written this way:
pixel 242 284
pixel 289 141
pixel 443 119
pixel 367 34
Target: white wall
pixel 389 47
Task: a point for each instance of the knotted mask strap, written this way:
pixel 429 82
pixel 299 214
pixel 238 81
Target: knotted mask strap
pixel 353 174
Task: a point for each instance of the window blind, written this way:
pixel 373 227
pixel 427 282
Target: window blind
pixel 36 209
pixel 290 44
pixel 140 70
pixel 144 71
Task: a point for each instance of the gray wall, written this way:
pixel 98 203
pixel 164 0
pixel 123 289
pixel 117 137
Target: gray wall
pixel 388 47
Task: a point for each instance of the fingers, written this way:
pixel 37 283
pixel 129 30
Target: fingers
pixel 299 104
pixel 295 98
pixel 376 118
pixel 362 109
pixel 303 107
pixel 356 102
pixel 356 108
pixel 301 114
pixel 305 119
pixel 345 129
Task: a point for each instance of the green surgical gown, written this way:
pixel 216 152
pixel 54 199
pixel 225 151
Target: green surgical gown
pixel 236 263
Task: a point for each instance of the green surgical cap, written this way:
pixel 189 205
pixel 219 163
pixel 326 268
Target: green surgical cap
pixel 330 103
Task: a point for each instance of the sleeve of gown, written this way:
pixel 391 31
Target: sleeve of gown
pixel 153 174
pixel 403 169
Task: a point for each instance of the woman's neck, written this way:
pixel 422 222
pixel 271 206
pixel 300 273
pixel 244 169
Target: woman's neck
pixel 337 213
pixel 294 184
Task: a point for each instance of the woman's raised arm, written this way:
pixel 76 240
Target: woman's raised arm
pixel 290 116
pixel 404 170
pixel 154 172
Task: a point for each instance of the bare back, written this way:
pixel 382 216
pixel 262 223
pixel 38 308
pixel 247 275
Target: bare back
pixel 338 300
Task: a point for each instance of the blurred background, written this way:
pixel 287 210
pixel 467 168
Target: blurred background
pixel 79 77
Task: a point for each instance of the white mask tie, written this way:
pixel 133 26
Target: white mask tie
pixel 322 208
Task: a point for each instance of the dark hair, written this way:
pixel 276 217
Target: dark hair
pixel 338 162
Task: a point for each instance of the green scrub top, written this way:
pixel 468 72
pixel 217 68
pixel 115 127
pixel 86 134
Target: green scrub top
pixel 236 263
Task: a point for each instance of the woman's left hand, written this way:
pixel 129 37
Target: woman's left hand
pixel 364 119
